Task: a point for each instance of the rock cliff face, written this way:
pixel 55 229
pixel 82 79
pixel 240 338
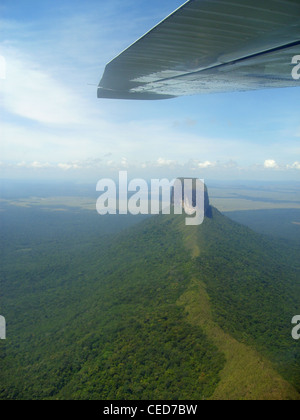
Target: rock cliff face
pixel 191 194
pixel 207 206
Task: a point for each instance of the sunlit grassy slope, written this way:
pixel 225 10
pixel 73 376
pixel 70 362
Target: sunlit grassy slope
pixel 247 374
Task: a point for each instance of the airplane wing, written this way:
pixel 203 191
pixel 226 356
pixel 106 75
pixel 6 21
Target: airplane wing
pixel 209 46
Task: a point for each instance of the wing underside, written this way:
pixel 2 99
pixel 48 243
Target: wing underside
pixel 210 46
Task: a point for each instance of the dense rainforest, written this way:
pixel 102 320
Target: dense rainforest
pixel 126 308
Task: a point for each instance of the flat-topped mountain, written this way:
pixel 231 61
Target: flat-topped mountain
pixel 188 196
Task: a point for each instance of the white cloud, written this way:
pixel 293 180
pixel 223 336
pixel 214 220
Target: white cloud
pixel 31 92
pixel 295 165
pixel 2 68
pixel 270 164
pixel 39 165
pixel 207 164
pixel 32 165
pixel 68 166
pixel 124 162
pixel 165 162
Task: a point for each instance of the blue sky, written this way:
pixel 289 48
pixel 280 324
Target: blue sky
pixel 53 126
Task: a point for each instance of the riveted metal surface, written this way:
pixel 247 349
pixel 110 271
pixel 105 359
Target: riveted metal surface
pixel 209 46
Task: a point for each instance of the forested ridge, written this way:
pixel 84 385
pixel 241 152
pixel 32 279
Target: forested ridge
pixel 97 315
